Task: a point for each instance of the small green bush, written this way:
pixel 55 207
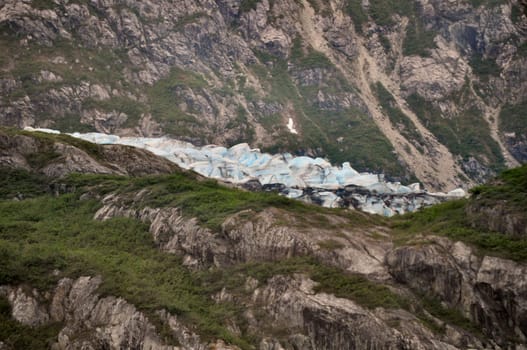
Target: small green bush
pixel 248 5
pixel 484 67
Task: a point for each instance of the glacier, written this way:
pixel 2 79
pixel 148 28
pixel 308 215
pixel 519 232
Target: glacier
pixel 313 180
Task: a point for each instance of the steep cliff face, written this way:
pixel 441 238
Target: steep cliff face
pixel 481 288
pixel 430 89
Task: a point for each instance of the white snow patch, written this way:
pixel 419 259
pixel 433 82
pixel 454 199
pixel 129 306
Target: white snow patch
pixel 291 126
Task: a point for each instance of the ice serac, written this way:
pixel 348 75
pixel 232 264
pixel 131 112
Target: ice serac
pixel 309 179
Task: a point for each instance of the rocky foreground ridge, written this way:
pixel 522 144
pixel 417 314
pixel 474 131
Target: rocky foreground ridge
pixel 426 90
pixel 144 256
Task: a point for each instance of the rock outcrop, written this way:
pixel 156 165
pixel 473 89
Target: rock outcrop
pixel 489 290
pixel 56 158
pixel 327 322
pixel 498 217
pixel 95 322
pixel 251 237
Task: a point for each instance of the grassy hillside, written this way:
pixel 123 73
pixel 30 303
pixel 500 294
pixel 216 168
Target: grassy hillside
pixel 450 219
pixel 43 234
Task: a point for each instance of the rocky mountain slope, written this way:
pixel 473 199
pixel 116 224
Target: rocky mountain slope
pixel 98 254
pixel 432 90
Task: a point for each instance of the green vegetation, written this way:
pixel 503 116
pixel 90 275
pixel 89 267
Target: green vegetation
pixel 43 4
pixel 397 117
pixel 361 144
pixel 354 9
pixel 513 118
pixel 241 123
pixel 449 219
pixel 188 19
pixel 132 108
pixel 418 40
pixel 385 42
pixel 40 235
pixel 338 134
pixel 315 4
pixel 467 134
pixel 510 186
pixel 516 13
pixel 47 140
pixel 486 3
pixel 96 66
pixel 15 182
pixel 164 101
pixel 313 59
pixel 330 244
pixel 522 50
pixel 330 280
pixel 248 5
pixel 484 67
pixel 449 315
pixel 45 154
pixel 206 200
pixel 70 122
pixel 382 11
pixel 79 64
pixel 310 59
pixel 334 281
pixel 50 4
pixel 357 288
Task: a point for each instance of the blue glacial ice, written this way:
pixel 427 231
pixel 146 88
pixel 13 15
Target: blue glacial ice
pixel 312 180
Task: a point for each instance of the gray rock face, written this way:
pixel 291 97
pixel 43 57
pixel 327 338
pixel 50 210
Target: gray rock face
pixel 75 304
pixel 327 322
pixel 26 306
pixel 490 291
pixel 74 161
pixel 434 77
pixel 518 146
pixel 500 217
